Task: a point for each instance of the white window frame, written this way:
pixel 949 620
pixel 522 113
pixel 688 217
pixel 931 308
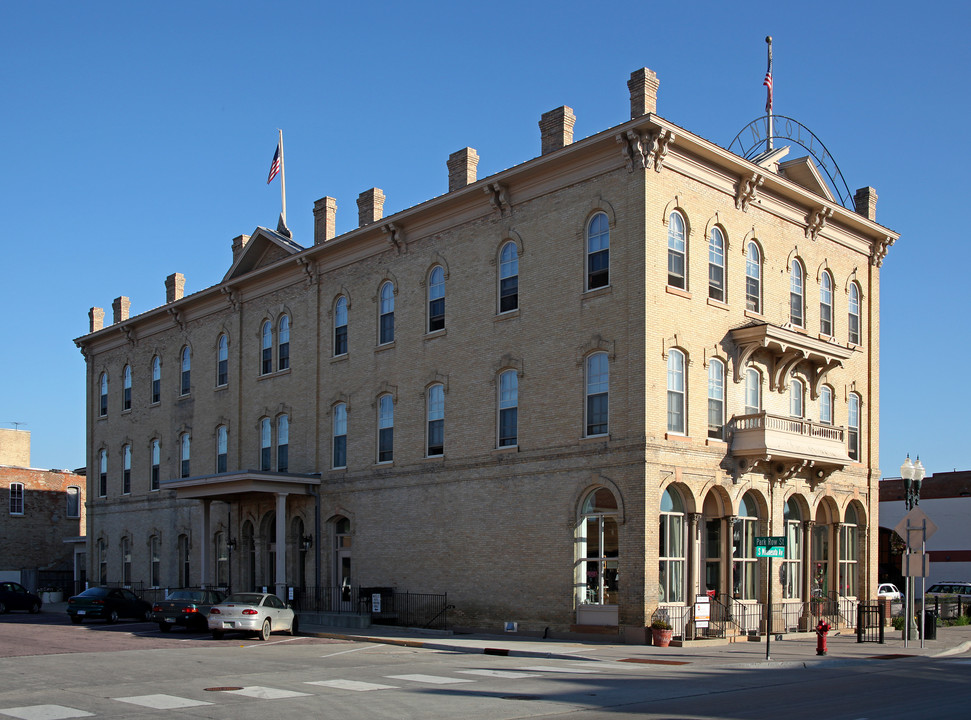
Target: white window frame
pixel 509 276
pixel 677 251
pixel 797 396
pixel 826 304
pixel 436 296
pixel 340 323
pixel 717 288
pixel 716 398
pixel 597 381
pixel 597 246
pixel 753 391
pixel 677 395
pixel 855 329
pixel 853 444
pixel 672 548
pixel 797 294
pixel 386 327
pixel 826 405
pixel 753 278
pixel 16 504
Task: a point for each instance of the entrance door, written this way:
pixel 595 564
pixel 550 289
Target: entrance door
pixel 342 562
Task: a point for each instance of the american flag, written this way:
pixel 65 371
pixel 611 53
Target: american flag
pixel 768 84
pixel 275 165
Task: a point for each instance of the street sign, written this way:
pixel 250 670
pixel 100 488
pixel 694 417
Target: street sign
pixel 773 546
pixel 915 564
pixel 918 526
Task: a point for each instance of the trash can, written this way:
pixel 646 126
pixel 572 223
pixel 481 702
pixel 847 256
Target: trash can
pixel 930 625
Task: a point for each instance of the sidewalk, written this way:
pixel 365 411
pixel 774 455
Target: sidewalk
pixel 798 650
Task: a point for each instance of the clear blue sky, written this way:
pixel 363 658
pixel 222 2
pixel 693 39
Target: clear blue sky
pixel 138 138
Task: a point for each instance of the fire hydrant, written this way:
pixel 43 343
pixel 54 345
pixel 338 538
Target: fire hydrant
pixel 821 629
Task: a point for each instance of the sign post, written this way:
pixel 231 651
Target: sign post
pixel 915 528
pixel 772 546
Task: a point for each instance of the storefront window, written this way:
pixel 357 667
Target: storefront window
pixel 598 546
pixel 671 553
pixel 745 566
pixel 792 565
pixel 849 551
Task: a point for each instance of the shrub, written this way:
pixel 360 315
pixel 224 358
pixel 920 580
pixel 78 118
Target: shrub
pixel 660 624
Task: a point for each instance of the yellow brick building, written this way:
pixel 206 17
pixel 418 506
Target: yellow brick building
pixel 569 395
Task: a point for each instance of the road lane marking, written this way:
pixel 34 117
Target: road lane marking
pixel 500 673
pixel 342 652
pixel 355 685
pixel 162 702
pixel 556 669
pixel 266 693
pixel 429 679
pixel 44 712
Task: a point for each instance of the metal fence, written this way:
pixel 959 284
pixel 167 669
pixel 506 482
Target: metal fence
pixel 384 605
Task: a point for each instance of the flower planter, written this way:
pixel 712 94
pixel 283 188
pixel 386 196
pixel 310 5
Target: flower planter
pixel 660 637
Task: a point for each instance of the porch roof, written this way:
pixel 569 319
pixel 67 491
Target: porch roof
pixel 233 486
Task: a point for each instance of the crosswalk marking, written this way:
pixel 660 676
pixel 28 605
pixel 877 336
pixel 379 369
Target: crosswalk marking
pixel 352 685
pixel 265 693
pixel 556 669
pixel 161 702
pixel 43 712
pixel 429 679
pixel 499 673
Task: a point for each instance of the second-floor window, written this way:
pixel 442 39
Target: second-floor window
pixel 753 391
pixel 676 393
pixel 340 436
pixel 126 389
pixel 716 398
pixel 853 429
pixel 16 498
pixel 186 370
pixel 340 326
pixel 436 421
pixel 854 314
pixel 385 429
pixel 508 409
pixel 103 473
pixel 676 252
pixel 155 471
pixel 436 299
pixel 156 379
pixel 386 316
pixel 796 294
pixel 796 395
pixel 716 265
pixel 126 470
pixel 826 304
pixel 185 443
pixel 826 405
pixel 222 449
pixel 598 252
pixel 222 361
pixel 508 277
pixel 753 278
pixel 103 384
pixel 598 382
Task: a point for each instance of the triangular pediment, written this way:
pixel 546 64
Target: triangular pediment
pixel 264 247
pixel 802 171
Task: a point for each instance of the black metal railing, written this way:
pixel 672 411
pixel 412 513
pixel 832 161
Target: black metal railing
pixel 870 622
pixel 384 605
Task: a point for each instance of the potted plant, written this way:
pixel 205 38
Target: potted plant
pixel 661 633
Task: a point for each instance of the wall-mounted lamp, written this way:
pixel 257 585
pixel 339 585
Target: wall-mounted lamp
pixel 306 542
pixel 230 545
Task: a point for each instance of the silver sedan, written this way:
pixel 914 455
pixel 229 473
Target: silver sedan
pixel 259 613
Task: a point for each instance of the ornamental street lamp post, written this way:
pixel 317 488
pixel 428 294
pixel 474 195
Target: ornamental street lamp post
pixel 912 474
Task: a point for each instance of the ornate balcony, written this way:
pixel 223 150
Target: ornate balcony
pixel 784 446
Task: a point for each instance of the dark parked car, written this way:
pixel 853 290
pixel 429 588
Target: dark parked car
pixel 14 596
pixel 185 607
pixel 108 604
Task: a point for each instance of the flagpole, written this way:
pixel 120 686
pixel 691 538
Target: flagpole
pixel 283 182
pixel 768 77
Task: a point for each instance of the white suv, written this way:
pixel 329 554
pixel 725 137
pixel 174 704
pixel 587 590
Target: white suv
pixel 950 588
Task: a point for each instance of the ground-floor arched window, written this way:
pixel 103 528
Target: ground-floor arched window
pixel 745 566
pixel 671 553
pixel 792 564
pixel 849 552
pixel 598 549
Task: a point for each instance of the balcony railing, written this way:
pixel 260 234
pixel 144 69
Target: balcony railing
pixel 762 435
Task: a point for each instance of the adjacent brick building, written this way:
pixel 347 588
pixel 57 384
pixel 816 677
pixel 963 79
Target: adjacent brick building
pixel 567 394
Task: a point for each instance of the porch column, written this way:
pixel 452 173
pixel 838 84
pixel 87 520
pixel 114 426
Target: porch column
pixel 729 555
pixel 694 557
pixel 205 543
pixel 863 586
pixel 281 546
pixel 807 563
pixel 835 555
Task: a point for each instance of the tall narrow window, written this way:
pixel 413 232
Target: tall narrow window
pixel 676 392
pixel 283 344
pixel 385 429
pixel 849 553
pixel 792 565
pixel 101 550
pixel 283 443
pixel 185 442
pixel 340 326
pixel 340 435
pixel 753 278
pixel 436 421
pixel 436 299
pixel 103 473
pixel 103 384
pixel 716 265
pixel 598 252
pixel 156 379
pixel 266 444
pixel 826 405
pixel 222 559
pixel 797 298
pixel 155 559
pixel 386 320
pixel 745 565
pixel 753 391
pixel 222 361
pixel 853 431
pixel 671 550
pixel 74 502
pixel 716 398
pixel 796 395
pixel 16 498
pixel 854 314
pixel 508 409
pixel 508 277
pixel 126 562
pixel 126 470
pixel 266 348
pixel 156 457
pixel 222 449
pixel 126 389
pixel 676 252
pixel 598 550
pixel 598 382
pixel 186 370
pixel 826 304
pixel 183 560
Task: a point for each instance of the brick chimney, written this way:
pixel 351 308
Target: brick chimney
pixel 461 168
pixel 325 219
pixel 239 242
pixel 96 319
pixel 174 287
pixel 556 128
pixel 643 85
pixel 120 308
pixel 370 206
pixel 865 200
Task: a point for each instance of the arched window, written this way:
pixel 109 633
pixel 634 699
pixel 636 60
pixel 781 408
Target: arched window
pixel 156 458
pixel 103 384
pixel 126 389
pixel 508 277
pixel 853 429
pixel 753 278
pixel 598 546
pixel 677 252
pixel 266 444
pixel 126 470
pixel 753 391
pixel 155 561
pixel 74 501
pixel 340 326
pixel 435 433
pixel 103 473
pixel 854 314
pixel 797 298
pixel 126 562
pixel 796 394
pixel 598 382
pixel 385 428
pixel 716 398
pixel 156 379
pixel 266 351
pixel 386 320
pixel 792 564
pixel 222 361
pixel 676 393
pixel 436 299
pixel 185 444
pixel 745 566
pixel 849 553
pixel 826 405
pixel 283 344
pixel 186 371
pixel 340 435
pixel 826 304
pixel 598 252
pixel 508 408
pixel 283 443
pixel 222 449
pixel 716 265
pixel 671 552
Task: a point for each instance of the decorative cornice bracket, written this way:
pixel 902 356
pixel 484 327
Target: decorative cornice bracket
pixel 746 190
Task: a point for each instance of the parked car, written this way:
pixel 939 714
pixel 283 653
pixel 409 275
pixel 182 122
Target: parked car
pixel 889 591
pixel 108 604
pixel 185 607
pixel 951 589
pixel 14 596
pixel 259 613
